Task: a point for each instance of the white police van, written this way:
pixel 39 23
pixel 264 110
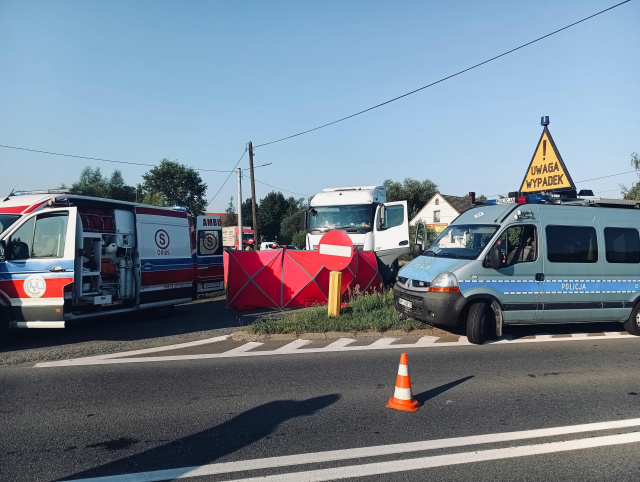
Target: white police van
pixel 528 260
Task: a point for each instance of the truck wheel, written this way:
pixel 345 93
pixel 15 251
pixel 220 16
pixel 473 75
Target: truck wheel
pixel 479 323
pixel 632 325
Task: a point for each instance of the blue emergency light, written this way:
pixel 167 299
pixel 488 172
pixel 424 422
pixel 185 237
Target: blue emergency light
pixel 544 120
pixel 531 199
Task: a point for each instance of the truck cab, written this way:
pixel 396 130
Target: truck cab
pixel 364 215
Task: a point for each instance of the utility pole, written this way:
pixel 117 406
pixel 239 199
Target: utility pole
pixel 256 238
pixel 240 208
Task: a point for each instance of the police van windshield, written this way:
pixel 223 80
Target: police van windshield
pixel 7 220
pixel 462 241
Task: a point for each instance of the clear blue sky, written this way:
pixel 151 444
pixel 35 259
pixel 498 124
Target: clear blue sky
pixel 194 81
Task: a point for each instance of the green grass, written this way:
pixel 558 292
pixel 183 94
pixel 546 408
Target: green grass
pixel 366 312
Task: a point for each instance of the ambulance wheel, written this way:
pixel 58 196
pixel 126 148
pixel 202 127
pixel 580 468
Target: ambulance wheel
pixel 479 323
pixel 632 325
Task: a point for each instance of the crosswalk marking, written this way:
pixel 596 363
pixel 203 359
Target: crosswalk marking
pixel 298 347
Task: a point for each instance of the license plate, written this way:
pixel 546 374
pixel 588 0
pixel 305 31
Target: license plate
pixel 210 285
pixel 405 303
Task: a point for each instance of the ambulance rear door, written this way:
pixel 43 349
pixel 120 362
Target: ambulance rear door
pixel 164 257
pixel 208 254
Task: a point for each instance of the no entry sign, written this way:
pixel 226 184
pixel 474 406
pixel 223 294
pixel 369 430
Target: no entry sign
pixel 336 250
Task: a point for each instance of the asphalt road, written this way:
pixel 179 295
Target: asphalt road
pixel 109 420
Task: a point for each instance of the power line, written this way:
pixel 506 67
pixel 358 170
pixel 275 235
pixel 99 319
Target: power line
pixel 99 159
pixel 285 190
pixel 230 172
pixel 443 79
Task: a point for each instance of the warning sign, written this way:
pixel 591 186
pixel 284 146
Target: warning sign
pixel 546 172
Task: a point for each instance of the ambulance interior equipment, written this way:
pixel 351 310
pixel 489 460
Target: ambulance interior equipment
pixel 105 257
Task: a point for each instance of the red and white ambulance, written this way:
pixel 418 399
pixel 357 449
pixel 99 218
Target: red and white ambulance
pixel 66 257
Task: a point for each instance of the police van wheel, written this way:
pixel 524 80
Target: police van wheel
pixel 479 323
pixel 632 325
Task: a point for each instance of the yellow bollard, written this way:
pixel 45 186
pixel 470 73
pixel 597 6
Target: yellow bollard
pixel 335 290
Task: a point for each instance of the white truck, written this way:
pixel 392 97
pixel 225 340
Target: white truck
pixel 65 256
pixel 364 214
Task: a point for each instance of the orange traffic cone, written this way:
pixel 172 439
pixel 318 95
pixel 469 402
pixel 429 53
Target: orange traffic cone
pixel 402 398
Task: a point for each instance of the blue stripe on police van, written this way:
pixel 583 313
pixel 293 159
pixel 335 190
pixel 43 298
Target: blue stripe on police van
pixel 551 286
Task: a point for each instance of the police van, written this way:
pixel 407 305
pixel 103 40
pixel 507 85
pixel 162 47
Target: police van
pixel 64 256
pixel 528 260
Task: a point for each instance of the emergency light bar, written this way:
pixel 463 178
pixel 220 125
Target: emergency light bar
pixel 45 191
pixel 532 199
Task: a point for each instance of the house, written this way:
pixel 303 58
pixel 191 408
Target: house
pixel 223 216
pixel 440 211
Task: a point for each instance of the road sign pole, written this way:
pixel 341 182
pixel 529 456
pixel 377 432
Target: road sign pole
pixel 335 290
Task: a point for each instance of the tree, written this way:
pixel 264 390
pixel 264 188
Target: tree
pixel 231 218
pixel 178 184
pixel 92 183
pixel 299 240
pixel 292 223
pixel 247 212
pixel 273 209
pixel 118 189
pixel 416 193
pixel 634 191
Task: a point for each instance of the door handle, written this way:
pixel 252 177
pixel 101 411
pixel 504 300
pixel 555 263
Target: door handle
pixel 57 269
pixel 539 276
pixel 147 265
pixel 403 243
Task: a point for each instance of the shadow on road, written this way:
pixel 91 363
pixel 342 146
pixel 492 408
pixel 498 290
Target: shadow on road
pixel 202 315
pixel 184 455
pixel 424 397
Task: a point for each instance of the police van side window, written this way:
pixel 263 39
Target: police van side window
pixel 571 244
pixel 517 244
pixel 622 245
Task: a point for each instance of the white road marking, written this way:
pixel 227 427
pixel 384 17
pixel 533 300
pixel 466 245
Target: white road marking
pixel 243 348
pixel 293 348
pixel 402 448
pixel 338 344
pixel 294 345
pixel 445 460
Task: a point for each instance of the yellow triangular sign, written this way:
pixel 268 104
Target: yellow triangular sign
pixel 546 171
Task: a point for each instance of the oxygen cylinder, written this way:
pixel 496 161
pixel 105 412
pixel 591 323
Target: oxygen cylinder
pixel 122 272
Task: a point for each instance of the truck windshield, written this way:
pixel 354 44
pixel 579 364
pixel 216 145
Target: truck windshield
pixel 357 217
pixel 462 241
pixel 7 220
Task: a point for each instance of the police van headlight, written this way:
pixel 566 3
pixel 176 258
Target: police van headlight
pixel 444 283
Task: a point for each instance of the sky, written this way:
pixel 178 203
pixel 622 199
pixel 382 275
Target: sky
pixel 196 81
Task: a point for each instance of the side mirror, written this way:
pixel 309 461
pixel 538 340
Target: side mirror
pixel 494 258
pixel 382 217
pixel 305 220
pixel 416 250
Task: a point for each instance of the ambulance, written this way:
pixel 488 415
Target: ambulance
pixel 64 257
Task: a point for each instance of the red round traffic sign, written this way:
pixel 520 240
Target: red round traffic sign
pixel 336 250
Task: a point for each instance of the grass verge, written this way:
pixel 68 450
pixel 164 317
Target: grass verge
pixel 366 312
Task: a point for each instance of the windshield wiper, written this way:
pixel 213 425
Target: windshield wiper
pixel 450 254
pixel 430 253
